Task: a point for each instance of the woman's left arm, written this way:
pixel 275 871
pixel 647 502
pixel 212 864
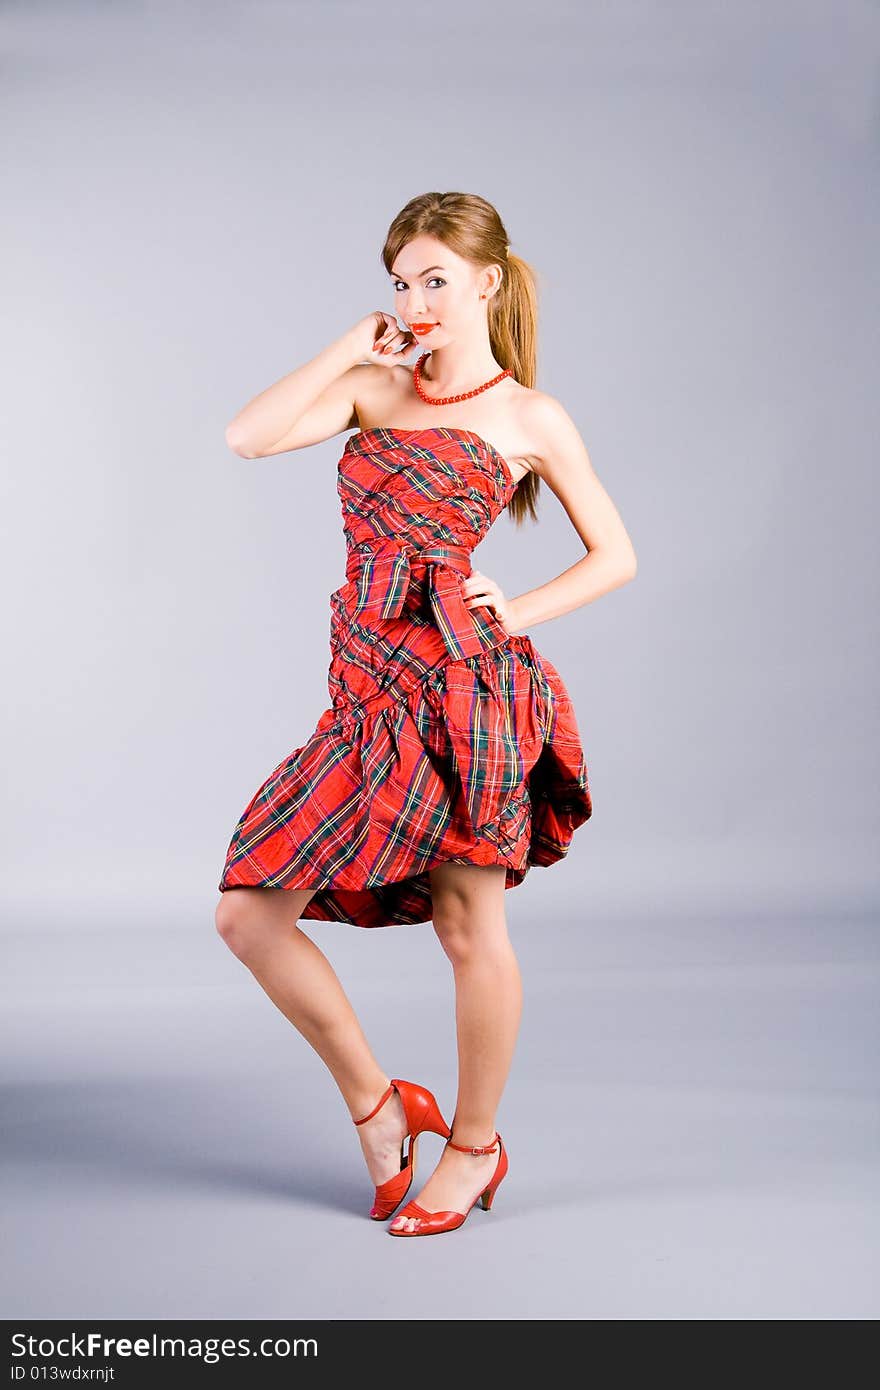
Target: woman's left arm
pixel 560 459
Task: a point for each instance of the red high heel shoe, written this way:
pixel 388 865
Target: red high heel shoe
pixel 422 1112
pixel 429 1223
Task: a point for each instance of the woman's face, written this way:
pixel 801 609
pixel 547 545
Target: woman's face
pixel 432 285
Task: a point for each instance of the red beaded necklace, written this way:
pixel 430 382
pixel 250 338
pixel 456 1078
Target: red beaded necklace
pixel 449 400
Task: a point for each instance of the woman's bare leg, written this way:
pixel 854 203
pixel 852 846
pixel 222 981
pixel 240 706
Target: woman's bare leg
pixel 259 925
pixel 469 919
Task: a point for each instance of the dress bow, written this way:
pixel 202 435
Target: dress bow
pixel 383 580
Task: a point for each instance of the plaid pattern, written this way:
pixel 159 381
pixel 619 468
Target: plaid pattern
pixel 445 738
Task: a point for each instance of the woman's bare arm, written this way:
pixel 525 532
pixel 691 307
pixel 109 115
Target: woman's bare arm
pixel 320 398
pixel 565 466
pixel 308 405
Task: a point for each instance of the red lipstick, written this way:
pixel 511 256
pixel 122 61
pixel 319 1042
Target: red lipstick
pixel 423 327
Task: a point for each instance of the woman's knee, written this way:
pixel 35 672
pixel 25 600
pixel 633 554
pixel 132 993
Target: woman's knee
pixel 248 916
pixel 466 929
pixel 235 919
pixel 468 909
pixel 451 928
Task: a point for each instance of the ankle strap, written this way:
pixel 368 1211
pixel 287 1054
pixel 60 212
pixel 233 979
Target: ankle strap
pixel 377 1106
pixel 476 1148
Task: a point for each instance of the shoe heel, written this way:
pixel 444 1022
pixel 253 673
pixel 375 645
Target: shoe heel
pixel 422 1110
pixel 488 1197
pixel 434 1120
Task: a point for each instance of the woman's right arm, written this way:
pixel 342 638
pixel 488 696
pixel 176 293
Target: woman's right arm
pixel 318 399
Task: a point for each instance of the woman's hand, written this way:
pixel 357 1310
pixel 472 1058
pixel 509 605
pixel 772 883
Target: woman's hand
pixel 482 592
pixel 381 339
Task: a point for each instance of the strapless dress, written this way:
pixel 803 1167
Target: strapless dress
pixel 446 738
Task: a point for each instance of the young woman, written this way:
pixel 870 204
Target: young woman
pixel 449 760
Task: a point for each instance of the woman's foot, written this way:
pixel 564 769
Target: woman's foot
pixel 381 1139
pixel 454 1185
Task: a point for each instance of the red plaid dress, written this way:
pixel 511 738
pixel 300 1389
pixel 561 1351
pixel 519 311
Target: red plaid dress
pixel 446 738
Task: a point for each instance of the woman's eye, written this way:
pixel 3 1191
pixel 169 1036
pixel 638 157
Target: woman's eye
pixel 400 284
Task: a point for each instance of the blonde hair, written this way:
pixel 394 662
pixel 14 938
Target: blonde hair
pixel 472 228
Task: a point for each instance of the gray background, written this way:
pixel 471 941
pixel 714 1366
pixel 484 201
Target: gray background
pixel 197 195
